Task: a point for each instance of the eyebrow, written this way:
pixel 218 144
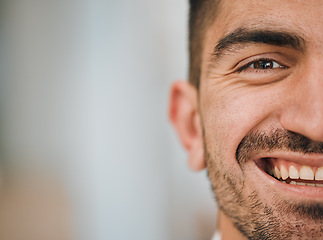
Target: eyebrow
pixel 245 36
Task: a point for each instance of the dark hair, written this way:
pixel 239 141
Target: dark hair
pixel 202 15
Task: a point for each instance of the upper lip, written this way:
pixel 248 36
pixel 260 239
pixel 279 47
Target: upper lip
pixel 309 159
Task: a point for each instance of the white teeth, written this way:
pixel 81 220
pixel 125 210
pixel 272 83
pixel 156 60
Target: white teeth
pixel 293 173
pixel 306 173
pixel 319 174
pixel 284 172
pixel 277 173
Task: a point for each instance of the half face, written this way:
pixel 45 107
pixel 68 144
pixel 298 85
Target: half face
pixel 261 107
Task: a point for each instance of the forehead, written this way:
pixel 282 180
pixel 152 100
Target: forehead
pixel 304 17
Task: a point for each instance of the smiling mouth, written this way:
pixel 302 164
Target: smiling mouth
pixel 293 173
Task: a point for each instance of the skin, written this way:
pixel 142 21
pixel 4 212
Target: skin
pixel 231 104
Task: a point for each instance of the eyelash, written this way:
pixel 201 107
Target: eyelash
pixel 246 66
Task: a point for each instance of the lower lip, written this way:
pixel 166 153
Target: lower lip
pixel 301 192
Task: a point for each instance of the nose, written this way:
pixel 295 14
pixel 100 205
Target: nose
pixel 303 112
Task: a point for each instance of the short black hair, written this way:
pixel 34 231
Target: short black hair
pixel 202 15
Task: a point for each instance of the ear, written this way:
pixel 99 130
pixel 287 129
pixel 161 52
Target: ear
pixel 184 114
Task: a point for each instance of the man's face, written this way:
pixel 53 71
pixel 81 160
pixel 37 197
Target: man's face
pixel 261 108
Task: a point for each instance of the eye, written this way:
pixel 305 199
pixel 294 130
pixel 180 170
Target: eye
pixel 262 64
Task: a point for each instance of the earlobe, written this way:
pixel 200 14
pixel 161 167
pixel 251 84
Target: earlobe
pixel 184 114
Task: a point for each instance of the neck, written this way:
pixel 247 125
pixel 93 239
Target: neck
pixel 227 229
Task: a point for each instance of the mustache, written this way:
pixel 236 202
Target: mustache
pixel 278 139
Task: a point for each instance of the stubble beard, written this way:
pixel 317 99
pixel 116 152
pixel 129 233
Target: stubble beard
pixel 251 215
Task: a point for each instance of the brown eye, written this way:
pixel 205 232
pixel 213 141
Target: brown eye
pixel 261 65
pixel 265 64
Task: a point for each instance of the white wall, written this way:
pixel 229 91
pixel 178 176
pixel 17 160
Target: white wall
pixel 85 98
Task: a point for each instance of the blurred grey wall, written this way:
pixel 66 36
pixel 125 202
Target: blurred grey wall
pixel 84 98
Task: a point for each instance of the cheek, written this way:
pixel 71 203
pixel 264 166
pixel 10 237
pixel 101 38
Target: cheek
pixel 228 118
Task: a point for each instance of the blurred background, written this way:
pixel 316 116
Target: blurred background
pixel 87 151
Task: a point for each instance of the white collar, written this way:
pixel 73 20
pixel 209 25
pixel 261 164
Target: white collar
pixel 216 236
